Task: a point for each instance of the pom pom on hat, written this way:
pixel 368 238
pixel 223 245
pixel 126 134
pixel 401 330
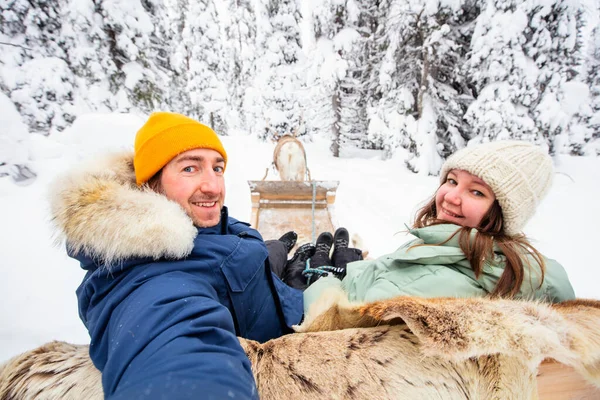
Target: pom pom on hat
pixel 166 135
pixel 519 173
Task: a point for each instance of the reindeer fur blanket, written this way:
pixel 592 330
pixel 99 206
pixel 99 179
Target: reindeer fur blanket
pixel 402 348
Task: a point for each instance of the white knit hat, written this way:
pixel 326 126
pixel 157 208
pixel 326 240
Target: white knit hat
pixel 519 173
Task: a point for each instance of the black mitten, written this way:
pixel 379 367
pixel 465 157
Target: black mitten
pixel 292 275
pixel 289 240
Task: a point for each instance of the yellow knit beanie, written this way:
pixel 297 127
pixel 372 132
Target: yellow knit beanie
pixel 164 136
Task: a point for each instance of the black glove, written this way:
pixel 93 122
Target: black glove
pixel 293 273
pixel 289 240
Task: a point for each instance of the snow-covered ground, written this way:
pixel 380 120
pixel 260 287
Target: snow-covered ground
pixel 375 199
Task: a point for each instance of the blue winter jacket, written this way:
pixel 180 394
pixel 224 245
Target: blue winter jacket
pixel 166 329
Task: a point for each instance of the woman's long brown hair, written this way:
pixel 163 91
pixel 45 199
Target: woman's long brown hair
pixel 490 231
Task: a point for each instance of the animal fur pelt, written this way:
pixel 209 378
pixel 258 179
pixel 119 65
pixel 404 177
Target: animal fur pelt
pixel 403 348
pixel 99 209
pixel 56 370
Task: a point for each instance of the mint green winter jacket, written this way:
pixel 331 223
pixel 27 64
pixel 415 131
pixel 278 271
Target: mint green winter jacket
pixel 438 271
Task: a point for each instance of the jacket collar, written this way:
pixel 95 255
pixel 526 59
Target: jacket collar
pixel 102 214
pixel 438 234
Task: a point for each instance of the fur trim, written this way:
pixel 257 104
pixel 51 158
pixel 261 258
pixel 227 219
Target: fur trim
pixel 101 212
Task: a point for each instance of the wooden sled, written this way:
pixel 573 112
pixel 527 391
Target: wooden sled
pixel 305 207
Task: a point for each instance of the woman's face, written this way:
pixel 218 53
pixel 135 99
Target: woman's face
pixel 463 199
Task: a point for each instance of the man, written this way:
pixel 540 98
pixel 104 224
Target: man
pixel 171 278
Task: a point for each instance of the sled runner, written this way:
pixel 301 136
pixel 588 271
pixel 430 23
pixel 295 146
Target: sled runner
pixel 303 206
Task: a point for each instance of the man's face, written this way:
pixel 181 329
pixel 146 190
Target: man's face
pixel 194 179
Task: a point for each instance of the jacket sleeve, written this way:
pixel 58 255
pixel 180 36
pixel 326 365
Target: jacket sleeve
pixel 168 337
pixel 559 286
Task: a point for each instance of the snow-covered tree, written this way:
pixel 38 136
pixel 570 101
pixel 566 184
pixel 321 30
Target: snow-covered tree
pixel 274 98
pixel 129 27
pixel 200 63
pixel 239 31
pixel 339 71
pixel 76 56
pixel 424 92
pixel 324 69
pixel 592 145
pixel 526 66
pixel 376 46
pixel 14 154
pixel 88 55
pixel 176 56
pixel 35 73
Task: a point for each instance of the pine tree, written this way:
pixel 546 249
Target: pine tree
pixel 356 40
pixel 424 75
pixel 339 71
pixel 128 26
pixel 240 53
pixel 324 68
pixel 377 45
pixel 37 79
pixel 14 154
pixel 424 94
pixel 591 146
pixel 88 55
pixel 526 65
pixel 275 100
pixel 177 57
pixel 82 55
pixel 562 76
pixel 201 64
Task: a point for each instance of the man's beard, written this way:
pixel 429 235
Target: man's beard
pixel 203 223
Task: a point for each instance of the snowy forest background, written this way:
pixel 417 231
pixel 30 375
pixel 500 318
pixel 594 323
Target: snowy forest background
pixel 426 76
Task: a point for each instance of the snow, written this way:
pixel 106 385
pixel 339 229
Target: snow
pixel 134 73
pixel 344 40
pixel 14 139
pixel 14 132
pixel 375 199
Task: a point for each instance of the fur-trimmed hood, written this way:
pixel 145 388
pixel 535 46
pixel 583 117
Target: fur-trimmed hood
pixel 101 213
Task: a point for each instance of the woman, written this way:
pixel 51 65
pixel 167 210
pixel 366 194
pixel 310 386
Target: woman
pixel 469 241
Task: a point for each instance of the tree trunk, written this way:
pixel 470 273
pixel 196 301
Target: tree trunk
pixel 425 71
pixel 335 103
